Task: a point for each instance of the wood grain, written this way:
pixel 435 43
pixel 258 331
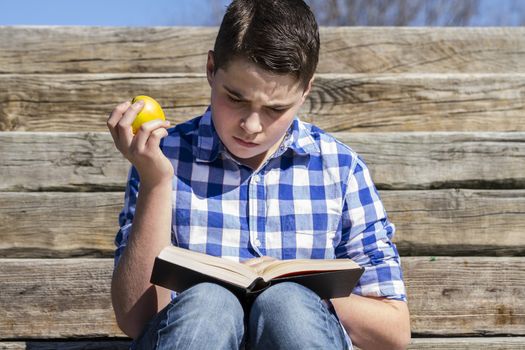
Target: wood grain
pixel 428 222
pixel 458 222
pixel 486 343
pixel 464 296
pixel 338 102
pixel 56 298
pixel 67 345
pixel 58 224
pixel 90 161
pixel 441 160
pixel 61 161
pixel 62 49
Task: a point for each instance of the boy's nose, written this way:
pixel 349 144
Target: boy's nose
pixel 252 124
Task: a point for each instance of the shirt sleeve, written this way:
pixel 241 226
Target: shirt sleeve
pixel 127 214
pixel 366 238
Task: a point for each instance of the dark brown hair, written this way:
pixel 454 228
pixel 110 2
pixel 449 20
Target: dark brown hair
pixel 281 36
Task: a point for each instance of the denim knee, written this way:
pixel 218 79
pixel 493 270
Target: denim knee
pixel 290 316
pixel 284 298
pixel 213 305
pixel 202 317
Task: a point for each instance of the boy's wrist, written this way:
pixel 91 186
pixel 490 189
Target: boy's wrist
pixel 151 184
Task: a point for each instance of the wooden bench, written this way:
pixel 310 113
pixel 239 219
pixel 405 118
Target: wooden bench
pixel 437 113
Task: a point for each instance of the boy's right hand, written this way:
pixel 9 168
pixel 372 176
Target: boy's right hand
pixel 142 149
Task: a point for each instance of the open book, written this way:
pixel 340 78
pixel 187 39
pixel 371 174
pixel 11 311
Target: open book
pixel 179 269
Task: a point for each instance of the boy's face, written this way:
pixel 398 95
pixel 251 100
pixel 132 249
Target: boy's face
pixel 252 108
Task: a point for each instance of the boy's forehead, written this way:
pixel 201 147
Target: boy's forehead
pixel 241 76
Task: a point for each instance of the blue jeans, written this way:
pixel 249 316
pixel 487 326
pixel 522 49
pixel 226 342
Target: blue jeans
pixel 208 316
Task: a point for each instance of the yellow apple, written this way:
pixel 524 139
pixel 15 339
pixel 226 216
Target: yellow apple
pixel 151 110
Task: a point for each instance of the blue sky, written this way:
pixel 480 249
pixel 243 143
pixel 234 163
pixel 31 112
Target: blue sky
pixel 108 12
pixel 181 12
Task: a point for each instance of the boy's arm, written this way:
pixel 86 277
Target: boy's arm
pixel 374 323
pixel 376 314
pixel 135 300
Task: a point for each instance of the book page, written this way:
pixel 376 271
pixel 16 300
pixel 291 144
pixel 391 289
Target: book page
pixel 197 259
pixel 284 267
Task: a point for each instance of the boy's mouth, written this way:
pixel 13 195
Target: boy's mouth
pixel 244 143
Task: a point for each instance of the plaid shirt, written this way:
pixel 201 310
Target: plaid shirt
pixel 314 198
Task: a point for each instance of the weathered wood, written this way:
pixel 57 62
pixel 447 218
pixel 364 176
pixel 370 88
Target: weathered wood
pixel 436 222
pixel 89 161
pixel 338 102
pixel 60 161
pixel 436 160
pixel 458 222
pixel 56 298
pixel 462 296
pixel 466 295
pixel 58 225
pixel 486 343
pixel 61 49
pixel 94 344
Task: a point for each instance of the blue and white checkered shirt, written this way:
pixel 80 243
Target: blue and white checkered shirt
pixel 314 198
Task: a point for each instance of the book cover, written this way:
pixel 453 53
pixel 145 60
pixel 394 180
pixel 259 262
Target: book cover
pixel 179 269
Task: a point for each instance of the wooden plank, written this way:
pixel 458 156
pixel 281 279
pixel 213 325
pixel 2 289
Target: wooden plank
pixel 338 102
pixel 458 221
pixel 441 160
pixel 464 296
pixel 59 49
pixel 90 161
pixel 56 298
pixel 486 343
pixel 429 222
pixel 94 344
pixel 60 161
pixel 58 224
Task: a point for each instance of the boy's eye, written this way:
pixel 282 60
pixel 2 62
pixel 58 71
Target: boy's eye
pixel 277 110
pixel 233 99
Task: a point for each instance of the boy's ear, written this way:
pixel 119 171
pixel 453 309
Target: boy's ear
pixel 308 89
pixel 210 68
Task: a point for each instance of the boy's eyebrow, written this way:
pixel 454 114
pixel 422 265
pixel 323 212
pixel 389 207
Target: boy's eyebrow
pixel 234 93
pixel 242 98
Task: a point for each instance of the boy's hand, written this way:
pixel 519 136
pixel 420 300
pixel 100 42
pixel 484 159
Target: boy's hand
pixel 142 149
pixel 260 263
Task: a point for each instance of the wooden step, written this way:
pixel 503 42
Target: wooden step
pixel 338 102
pixel 62 49
pixel 462 343
pixel 90 162
pixel 462 296
pixel 428 222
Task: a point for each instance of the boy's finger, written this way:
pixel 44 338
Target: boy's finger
pixel 117 114
pixel 156 136
pixel 145 131
pixel 131 113
pixel 124 125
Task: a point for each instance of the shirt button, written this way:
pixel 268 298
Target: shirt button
pixel 257 242
pixel 256 178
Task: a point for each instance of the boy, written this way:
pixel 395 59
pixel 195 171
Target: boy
pixel 249 181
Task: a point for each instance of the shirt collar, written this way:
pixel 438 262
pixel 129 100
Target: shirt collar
pixel 209 145
pixel 208 142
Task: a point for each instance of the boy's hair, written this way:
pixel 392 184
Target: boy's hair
pixel 281 36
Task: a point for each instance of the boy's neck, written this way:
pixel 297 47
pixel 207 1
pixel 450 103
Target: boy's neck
pixel 258 161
